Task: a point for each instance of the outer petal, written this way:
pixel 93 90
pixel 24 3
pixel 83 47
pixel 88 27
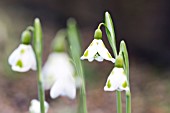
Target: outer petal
pixel 91 51
pixel 112 84
pixel 103 52
pixel 13 56
pixel 123 85
pixel 64 87
pixel 70 88
pixel 57 89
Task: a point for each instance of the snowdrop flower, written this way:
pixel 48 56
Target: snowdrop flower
pixel 23 58
pixel 117 80
pixel 58 75
pixel 35 106
pixel 97 50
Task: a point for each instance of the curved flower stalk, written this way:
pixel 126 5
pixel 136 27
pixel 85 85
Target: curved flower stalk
pixel 58 76
pixel 35 106
pixel 22 59
pixel 97 50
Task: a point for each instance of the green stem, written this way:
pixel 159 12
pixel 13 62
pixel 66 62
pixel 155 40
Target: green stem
pixel 119 102
pixel 83 106
pixel 38 53
pixel 128 102
pixel 30 28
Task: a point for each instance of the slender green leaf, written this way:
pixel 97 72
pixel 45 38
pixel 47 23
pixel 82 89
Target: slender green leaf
pixel 124 51
pixel 110 32
pixel 73 37
pixel 38 53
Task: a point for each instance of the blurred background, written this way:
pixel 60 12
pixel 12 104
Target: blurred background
pixel 143 24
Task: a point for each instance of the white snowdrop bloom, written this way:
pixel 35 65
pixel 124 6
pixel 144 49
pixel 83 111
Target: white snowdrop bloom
pixel 35 106
pixel 97 51
pixel 22 58
pixel 58 75
pixel 64 87
pixel 117 80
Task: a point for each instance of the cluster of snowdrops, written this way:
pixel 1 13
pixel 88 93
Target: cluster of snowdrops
pixel 62 73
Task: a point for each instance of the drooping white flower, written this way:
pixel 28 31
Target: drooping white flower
pixel 58 76
pixel 97 51
pixel 35 106
pixel 22 58
pixel 117 80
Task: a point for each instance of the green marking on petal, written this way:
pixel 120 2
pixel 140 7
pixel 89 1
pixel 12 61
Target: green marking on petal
pixel 19 63
pixel 124 85
pixel 86 53
pixel 22 51
pixel 109 84
pixel 108 54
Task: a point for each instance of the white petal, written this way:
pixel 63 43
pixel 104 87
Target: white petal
pixel 90 51
pixel 103 52
pixel 56 89
pixel 63 87
pixel 90 59
pixel 111 84
pixel 70 88
pixel 13 56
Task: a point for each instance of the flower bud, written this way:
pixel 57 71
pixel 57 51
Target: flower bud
pixel 98 34
pixel 26 37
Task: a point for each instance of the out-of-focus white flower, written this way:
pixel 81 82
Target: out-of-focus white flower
pixel 65 87
pixel 35 106
pixel 97 51
pixel 58 76
pixel 22 58
pixel 117 80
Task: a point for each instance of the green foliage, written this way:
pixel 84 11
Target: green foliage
pixel 73 37
pixel 110 32
pixel 123 51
